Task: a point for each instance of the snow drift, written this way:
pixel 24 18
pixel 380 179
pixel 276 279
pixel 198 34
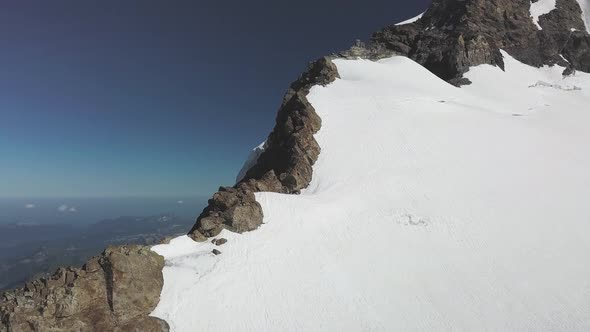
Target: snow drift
pixel 431 208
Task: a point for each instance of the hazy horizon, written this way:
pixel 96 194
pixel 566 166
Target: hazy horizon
pixel 82 211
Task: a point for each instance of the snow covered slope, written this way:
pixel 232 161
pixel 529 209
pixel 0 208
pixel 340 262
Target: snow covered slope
pixel 431 208
pixel 585 5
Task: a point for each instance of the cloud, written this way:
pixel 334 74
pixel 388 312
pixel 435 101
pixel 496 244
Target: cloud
pixel 180 202
pixel 30 206
pixel 66 208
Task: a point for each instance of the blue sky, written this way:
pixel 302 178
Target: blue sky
pixel 155 98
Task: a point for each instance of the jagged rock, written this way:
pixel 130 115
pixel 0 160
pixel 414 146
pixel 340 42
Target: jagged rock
pixel 233 208
pixel 290 149
pixel 215 252
pixel 454 35
pixel 285 166
pixel 577 51
pixel 112 292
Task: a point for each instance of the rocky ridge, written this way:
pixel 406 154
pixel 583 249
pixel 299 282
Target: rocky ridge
pixel 115 291
pixel 454 35
pixel 285 166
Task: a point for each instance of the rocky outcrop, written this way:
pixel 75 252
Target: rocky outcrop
pixel 454 35
pixel 115 291
pixel 577 51
pixel 285 166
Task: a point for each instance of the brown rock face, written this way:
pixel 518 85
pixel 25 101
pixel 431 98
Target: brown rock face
pixel 112 292
pixel 233 208
pixel 285 166
pixel 456 34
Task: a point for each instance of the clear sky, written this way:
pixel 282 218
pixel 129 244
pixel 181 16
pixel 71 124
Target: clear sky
pixel 155 98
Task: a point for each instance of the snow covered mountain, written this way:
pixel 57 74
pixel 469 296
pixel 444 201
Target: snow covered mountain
pixel 434 179
pixel 431 206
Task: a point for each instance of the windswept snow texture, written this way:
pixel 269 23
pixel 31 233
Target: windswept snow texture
pixel 585 5
pixel 540 8
pixel 432 208
pixel 412 20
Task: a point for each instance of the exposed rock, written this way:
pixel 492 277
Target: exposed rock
pixel 361 50
pixel 215 252
pixel 219 242
pixel 454 35
pixel 577 51
pixel 290 149
pixel 285 166
pixel 233 208
pixel 112 292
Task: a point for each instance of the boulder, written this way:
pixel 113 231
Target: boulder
pixel 115 291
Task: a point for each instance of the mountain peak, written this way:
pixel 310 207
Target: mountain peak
pixel 454 35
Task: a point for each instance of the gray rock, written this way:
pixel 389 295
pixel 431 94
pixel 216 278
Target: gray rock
pixel 215 252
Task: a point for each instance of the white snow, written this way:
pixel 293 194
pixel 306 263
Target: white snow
pixel 250 161
pixel 585 5
pixel 431 208
pixel 540 8
pixel 411 20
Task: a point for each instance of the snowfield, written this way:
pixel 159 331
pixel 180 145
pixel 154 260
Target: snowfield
pixel 431 208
